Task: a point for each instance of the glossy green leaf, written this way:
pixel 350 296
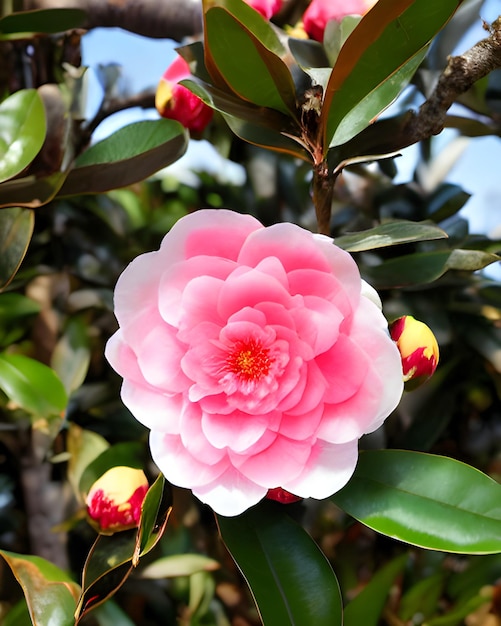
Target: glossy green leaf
pixel 31 192
pixel 425 500
pixel 376 62
pixel 22 131
pixel 50 593
pixel 179 565
pixel 128 156
pixel 32 385
pixel 249 67
pixel 290 578
pixel 390 234
pixel 16 229
pixel 425 267
pixel 126 453
pixel 155 512
pixel 71 356
pixel 42 21
pixel 367 606
pixel 107 567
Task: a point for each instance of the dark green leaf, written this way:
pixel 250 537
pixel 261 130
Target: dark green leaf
pixel 367 606
pixel 16 229
pixel 376 62
pixel 50 594
pixel 390 234
pixel 425 500
pixel 30 192
pixel 250 68
pixel 155 512
pixel 446 201
pixel 126 453
pixel 22 131
pixel 42 21
pixel 422 598
pixel 291 580
pixel 108 566
pixel 32 385
pixel 128 156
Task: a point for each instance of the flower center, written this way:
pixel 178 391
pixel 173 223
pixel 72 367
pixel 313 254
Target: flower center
pixel 249 361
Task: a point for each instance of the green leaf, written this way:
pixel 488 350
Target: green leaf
pixel 22 131
pixel 390 234
pixel 32 385
pixel 16 313
pixel 128 156
pixel 422 598
pixel 248 63
pixel 31 192
pixel 107 567
pixel 179 565
pixel 367 606
pixel 71 356
pixel 84 446
pixel 16 229
pixel 42 21
pixel 425 500
pixel 50 593
pixel 376 61
pixel 155 511
pixel 425 267
pixel 290 578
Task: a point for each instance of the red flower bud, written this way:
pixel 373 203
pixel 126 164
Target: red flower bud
pixel 281 495
pixel 175 102
pixel 114 500
pixel 418 348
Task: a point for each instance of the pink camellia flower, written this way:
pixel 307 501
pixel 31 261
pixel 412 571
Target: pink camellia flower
pixel 176 102
pixel 114 500
pixel 418 348
pixel 267 8
pixel 320 12
pixel 257 357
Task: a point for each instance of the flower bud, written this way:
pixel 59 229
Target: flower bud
pixel 320 12
pixel 114 500
pixel 281 495
pixel 267 8
pixel 418 348
pixel 175 102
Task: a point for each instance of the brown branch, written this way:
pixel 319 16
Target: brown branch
pixel 170 19
pixel 461 73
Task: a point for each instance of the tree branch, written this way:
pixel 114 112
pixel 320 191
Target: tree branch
pixel 170 19
pixel 461 73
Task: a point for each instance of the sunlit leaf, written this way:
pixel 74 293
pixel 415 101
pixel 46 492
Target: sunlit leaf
pixel 130 155
pixel 367 605
pixel 376 61
pixel 32 385
pixel 290 578
pixel 425 500
pixel 16 229
pixel 155 512
pixel 390 234
pixel 22 131
pixel 42 21
pixel 179 565
pixel 50 593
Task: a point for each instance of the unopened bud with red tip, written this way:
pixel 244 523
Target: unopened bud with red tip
pixel 418 348
pixel 114 500
pixel 281 495
pixel 176 102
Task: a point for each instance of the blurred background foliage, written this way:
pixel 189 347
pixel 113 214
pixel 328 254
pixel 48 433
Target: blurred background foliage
pixel 66 233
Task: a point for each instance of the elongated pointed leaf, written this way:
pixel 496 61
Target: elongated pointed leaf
pixel 367 606
pixel 22 131
pixel 155 512
pixel 387 41
pixel 50 593
pixel 291 580
pixel 391 234
pixel 249 68
pixel 32 385
pixel 179 565
pixel 42 21
pixel 425 500
pixel 16 229
pixel 128 156
pixel 31 192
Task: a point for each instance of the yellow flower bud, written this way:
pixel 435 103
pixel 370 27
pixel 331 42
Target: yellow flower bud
pixel 418 348
pixel 114 500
